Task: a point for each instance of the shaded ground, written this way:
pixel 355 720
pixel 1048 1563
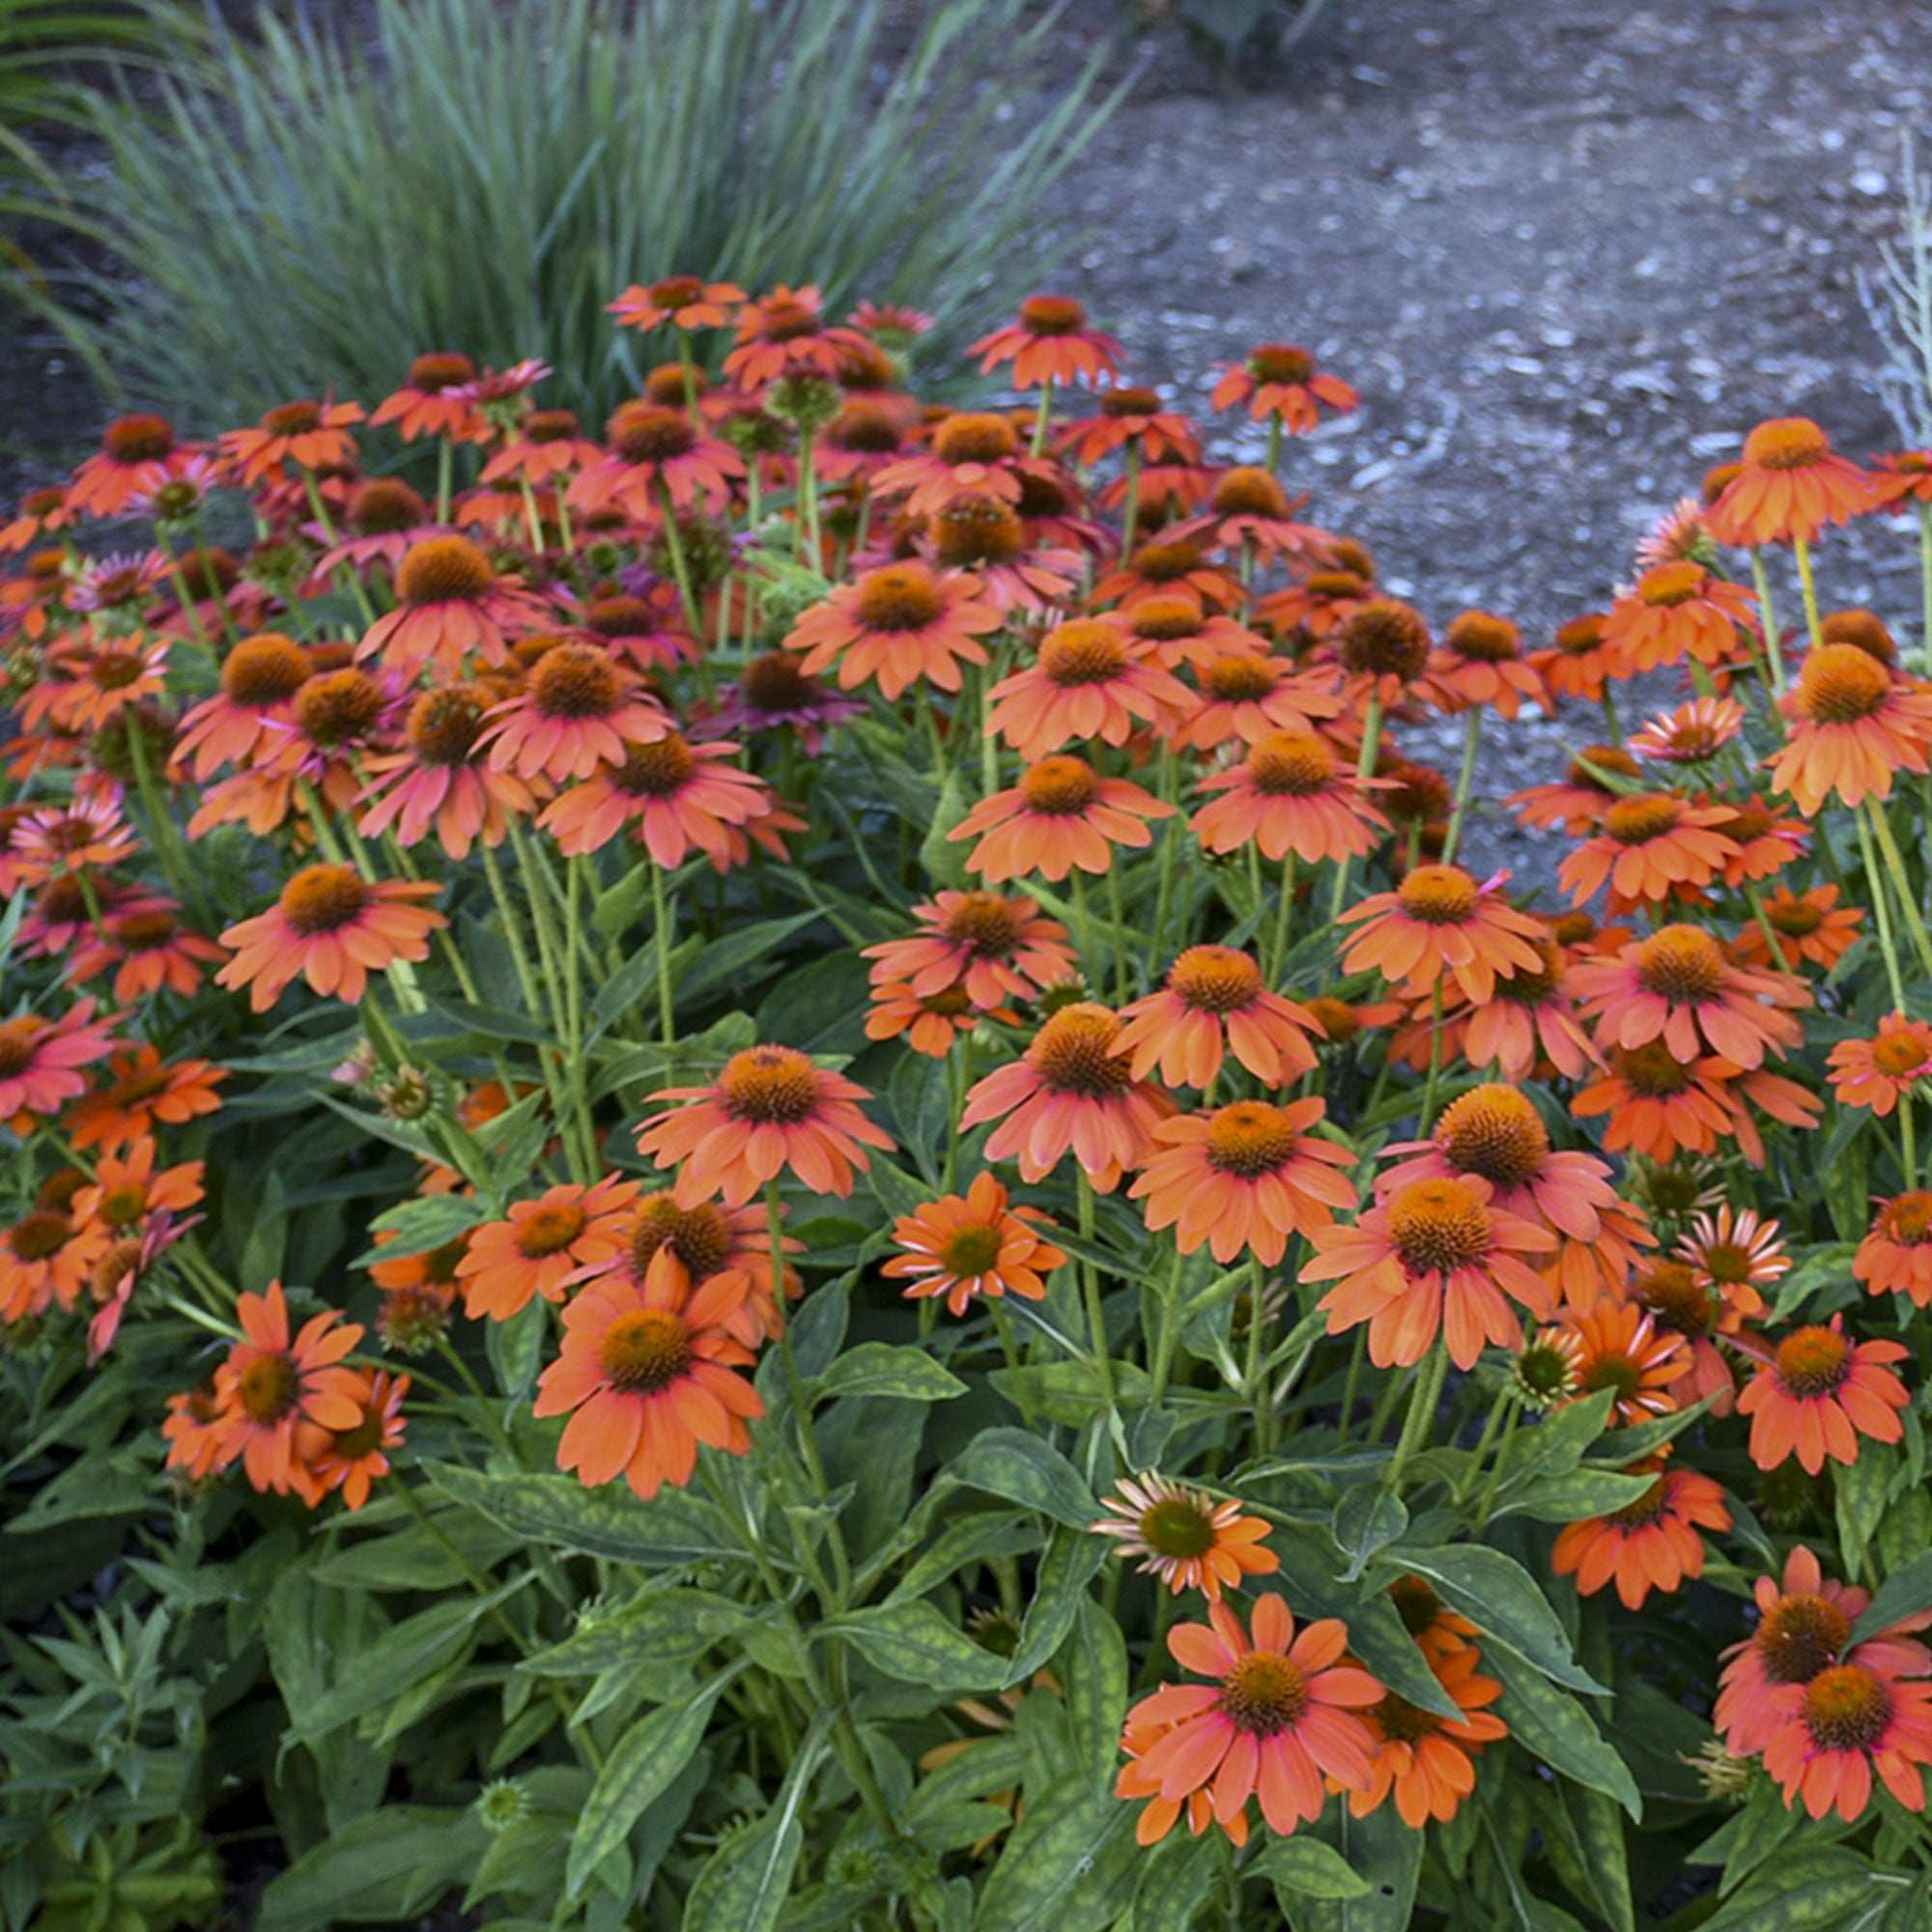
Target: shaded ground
pixel 1570 252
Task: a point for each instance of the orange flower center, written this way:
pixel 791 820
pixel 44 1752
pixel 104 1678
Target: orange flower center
pixel 1071 1053
pixel 1580 636
pixel 898 597
pixel 440 371
pixel 950 1003
pixel 865 429
pixel 1249 492
pixel 1385 639
pixel 1909 1218
pixel 1651 1070
pixel 974 1249
pixel 642 431
pixel 1726 1263
pixel 1604 759
pixel 1812 1362
pixel 384 506
pixel 17 1038
pixel 1482 636
pixel 443 726
pixel 657 770
pixel 975 529
pixel 1842 684
pixel 1290 764
pixel 269 1387
pixel 1796 919
pixel 1166 562
pixel 1263 1694
pixel 138 438
pixel 1669 1291
pixel 1085 651
pixel 1335 1017
pixel 1281 362
pixel 1670 584
pixel 1215 978
pixel 338 707
pixel 1415 1603
pixel 1494 1133
pixel 1531 986
pixel 645 1353
pixel 1165 617
pixel 443 570
pixel 1334 584
pixel 295 418
pixel 676 291
pixel 1798 1636
pixel 1683 963
pixel 774 682
pixel 39 1233
pixel 1440 894
pixel 1130 403
pixel 1863 629
pixel 1613 1368
pixel 975 435
pixel 1059 787
pixel 1240 678
pixel 1437 1226
pixel 350 1445
pixel 1404 1723
pixel 1900 1053
pixel 142 931
pixel 113 1267
pixel 1248 1137
pixel 1790 442
pixel 1847 1707
pixel 263 671
pixel 700 1237
pixel 549 1230
pixel 550 425
pixel 321 899
pixel 576 681
pixel 769 1084
pixel 1179 1527
pixel 984 922
pixel 1052 315
pixel 784 319
pixel 113 669
pixel 1635 821
pixel 122 1205
pixel 620 617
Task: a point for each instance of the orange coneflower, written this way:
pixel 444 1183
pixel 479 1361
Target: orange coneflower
pixel 1438 925
pixel 1661 1106
pixel 47 1256
pixel 645 1375
pixel 1622 1347
pixel 88 832
pixel 1090 680
pixel 929 1023
pixel 1531 1015
pixel 685 301
pixel 269 1385
pixel 192 1430
pixel 125 1190
pixel 143 1089
pixel 1895 1257
pixel 1479 663
pixel 1249 511
pixel 1183 1537
pixel 898 623
pixel 1653 845
pixel 1694 734
pixel 1578 801
pixel 311 435
pixel 1819 1393
pixel 1383 646
pixel 1767 841
pixel 1071 1092
pixel 1882 1071
pixel 1699 1312
pixel 451 603
pixel 1126 415
pixel 963 1246
pixel 1434 1255
pixel 104 677
pixel 260 677
pixel 41 513
pixel 1215 997
pixel 786 333
pixel 656 453
pixel 548 444
pixel 580 712
pixel 1789 486
pixel 677 794
pixel 434 401
pixel 1853 724
pixel 1650 1543
pixel 1049 341
pixel 1183 632
pixel 979 534
pixel 138 453
pixel 1247 693
pixel 1679 987
pixel 1678 609
pixel 1290 794
pixel 1577 660
pixel 1424 1759
pixel 1278 378
pixel 352 1459
pixel 1245 1177
pixel 1167 565
pixel 1733 1250
pixel 41 1062
pixel 331 927
pixel 1438 1631
pixel 711 1239
pixel 770 1108
pixel 976 452
pixel 1062 814
pixel 440 779
pixel 542 1245
pixel 1281 1717
pixel 1859 1716
pixel 1809 928
pixel 997 947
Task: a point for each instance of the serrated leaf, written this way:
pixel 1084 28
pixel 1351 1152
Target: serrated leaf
pixel 419 1225
pixel 1824 1890
pixel 877 1368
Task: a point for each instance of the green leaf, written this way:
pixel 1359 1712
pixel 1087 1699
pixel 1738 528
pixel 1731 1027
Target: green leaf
pixel 1556 1444
pixel 1060 1589
pixel 1585 1827
pixel 658 1627
pixel 1497 1595
pixel 1859 1494
pixel 1569 1498
pixel 743 1887
pixel 1070 1865
pixel 1624 1446
pixel 1305 1867
pixel 675 1528
pixel 1182 1874
pixel 1902 1594
pixel 419 1225
pixel 645 1762
pixel 1009 1462
pixel 724 961
pixel 1368 1517
pixel 1825 1889
pixel 1379 1848
pixel 387 1866
pixel 1092 1673
pixel 1554 1726
pixel 515 1348
pixel 971 1539
pixel 914 1643
pixel 877 1368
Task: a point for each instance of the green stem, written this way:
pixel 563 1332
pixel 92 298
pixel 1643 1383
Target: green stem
pixel 1768 617
pixel 1908 900
pixel 1880 908
pixel 1424 1395
pixel 663 913
pixel 1167 1336
pixel 1486 1501
pixel 1365 768
pixel 1472 731
pixel 1274 441
pixel 1615 730
pixel 801 1415
pixel 1926 582
pixel 1284 920
pixel 1089 1280
pixel 1801 551
pixel 1042 418
pixel 1120 917
pixel 1132 514
pixel 1435 1059
pixel 445 454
